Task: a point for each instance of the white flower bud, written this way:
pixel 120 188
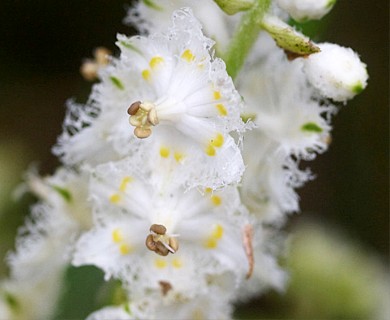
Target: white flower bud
pixel 336 72
pixel 302 10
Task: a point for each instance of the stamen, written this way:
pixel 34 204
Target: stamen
pixel 143 116
pixel 159 242
pixel 142 133
pixel 174 244
pixel 134 107
pixel 165 287
pixel 150 243
pixel 158 228
pixel 247 238
pixel 89 69
pixel 328 139
pixel 161 249
pixel 152 117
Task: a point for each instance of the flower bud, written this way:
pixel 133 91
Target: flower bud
pixel 302 10
pixel 336 72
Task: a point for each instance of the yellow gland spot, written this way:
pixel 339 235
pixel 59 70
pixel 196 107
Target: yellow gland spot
pixel 160 263
pixel 212 241
pixel 115 198
pixel 217 95
pixel 208 190
pixel 124 249
pixel 155 61
pixel 187 55
pixel 117 235
pixel 164 152
pixel 178 156
pixel 124 183
pixel 217 141
pixel 177 263
pixel 217 231
pixel 221 109
pixel 146 74
pixel 210 150
pixel 216 200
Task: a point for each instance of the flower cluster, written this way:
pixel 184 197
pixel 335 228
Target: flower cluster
pixel 153 191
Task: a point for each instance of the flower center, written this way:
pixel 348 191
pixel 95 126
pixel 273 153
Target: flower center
pixel 143 116
pixel 160 242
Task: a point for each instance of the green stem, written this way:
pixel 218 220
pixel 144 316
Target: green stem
pixel 244 37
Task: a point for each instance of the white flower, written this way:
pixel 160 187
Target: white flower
pixel 121 312
pixel 31 298
pixel 185 88
pixel 41 246
pixel 302 10
pixel 213 305
pixel 44 243
pixel 201 232
pixel 267 188
pixel 336 72
pixel 281 104
pixel 175 88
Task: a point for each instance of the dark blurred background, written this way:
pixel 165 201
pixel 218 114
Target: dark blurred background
pixel 43 42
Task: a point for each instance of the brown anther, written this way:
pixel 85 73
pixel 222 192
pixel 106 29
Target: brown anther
pixel 174 244
pixel 158 228
pixel 247 238
pixel 165 287
pixel 161 249
pixel 142 133
pixel 89 70
pixel 102 55
pixel 328 139
pixel 134 107
pixel 150 243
